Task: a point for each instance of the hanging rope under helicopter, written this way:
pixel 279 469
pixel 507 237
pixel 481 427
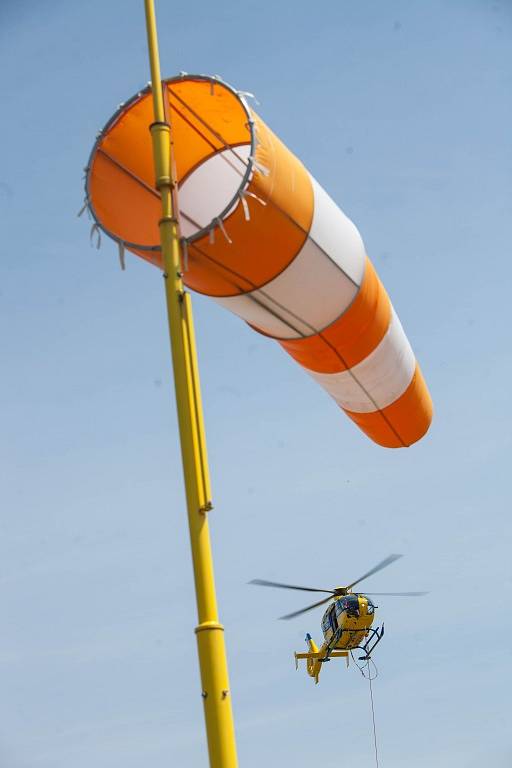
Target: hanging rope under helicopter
pixel 370 675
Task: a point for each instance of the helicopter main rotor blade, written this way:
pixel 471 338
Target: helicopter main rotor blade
pixel 264 583
pixel 395 594
pixel 305 610
pixel 384 564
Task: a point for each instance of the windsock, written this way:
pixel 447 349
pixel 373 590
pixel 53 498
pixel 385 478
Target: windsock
pixel 263 239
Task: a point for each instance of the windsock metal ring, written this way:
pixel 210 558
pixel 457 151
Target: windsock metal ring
pixel 263 239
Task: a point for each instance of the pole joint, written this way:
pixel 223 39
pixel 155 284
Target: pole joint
pixel 160 124
pixel 161 135
pixel 209 626
pixel 164 182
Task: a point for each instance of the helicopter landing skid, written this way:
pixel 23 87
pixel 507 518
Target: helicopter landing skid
pixel 368 649
pixel 375 635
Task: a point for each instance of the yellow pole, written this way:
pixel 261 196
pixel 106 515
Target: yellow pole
pixel 209 632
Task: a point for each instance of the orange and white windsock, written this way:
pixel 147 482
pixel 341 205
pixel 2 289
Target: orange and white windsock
pixel 262 238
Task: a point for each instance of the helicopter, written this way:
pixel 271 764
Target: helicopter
pixel 347 622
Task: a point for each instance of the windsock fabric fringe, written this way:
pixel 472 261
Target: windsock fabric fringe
pixel 264 240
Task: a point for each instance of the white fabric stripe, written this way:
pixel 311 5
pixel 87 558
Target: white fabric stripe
pixel 221 173
pixel 337 236
pixel 379 379
pixel 318 285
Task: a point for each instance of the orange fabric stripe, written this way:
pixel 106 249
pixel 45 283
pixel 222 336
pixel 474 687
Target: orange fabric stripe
pixel 265 245
pixel 353 336
pixel 128 140
pixel 288 185
pixel 153 257
pixel 194 103
pixel 402 423
pixel 259 251
pixel 125 201
pixel 204 115
pixel 116 195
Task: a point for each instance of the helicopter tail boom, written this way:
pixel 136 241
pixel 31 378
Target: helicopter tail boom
pixel 315 657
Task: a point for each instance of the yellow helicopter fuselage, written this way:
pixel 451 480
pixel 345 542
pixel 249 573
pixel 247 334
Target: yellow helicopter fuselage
pixel 346 625
pixel 346 622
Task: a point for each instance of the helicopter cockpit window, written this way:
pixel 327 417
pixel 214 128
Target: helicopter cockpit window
pixel 352 604
pixel 370 608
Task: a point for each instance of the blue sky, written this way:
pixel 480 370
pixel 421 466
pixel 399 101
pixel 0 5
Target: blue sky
pixel 402 111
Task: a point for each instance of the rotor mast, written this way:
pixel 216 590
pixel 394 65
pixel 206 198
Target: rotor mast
pixel 210 633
